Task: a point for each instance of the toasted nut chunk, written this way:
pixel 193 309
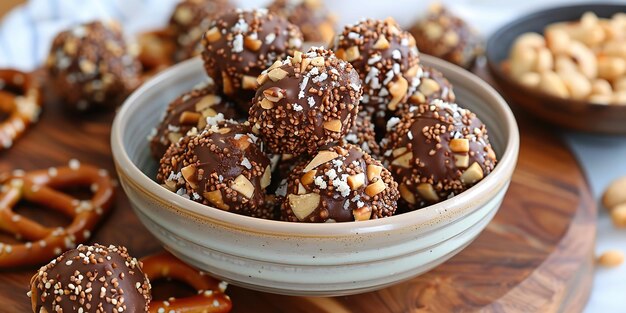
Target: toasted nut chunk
pixel 224 130
pixel 490 153
pixel 611 258
pixel 544 60
pixel 417 98
pixel 243 142
pixel 187 173
pixel 382 43
pixel 427 192
pixel 551 83
pixel 252 44
pixel 530 79
pixel 406 194
pixel 276 64
pixel 174 136
pixel 341 54
pixel 461 160
pixel 585 58
pixel 242 185
pixel 375 188
pixel 522 62
pixel 433 30
pixel 318 61
pixel 248 82
pixel 274 94
pixel 308 177
pixel 601 87
pixel 297 57
pixel 352 53
pixel 398 151
pixel 403 160
pixel 618 215
pixel 472 174
pixel 429 87
pixel 459 145
pixel 333 125
pixel 189 118
pixel 170 185
pixel 557 40
pixel 261 79
pixel 303 205
pixel 356 181
pixel 266 104
pixel 228 84
pixel 373 171
pixel 611 68
pixel 305 63
pixel 577 84
pixel 362 213
pixel 277 74
pixel 301 189
pixel 213 34
pixel 215 197
pixel 321 158
pixel 451 38
pixel 207 102
pixel 615 194
pixel 398 90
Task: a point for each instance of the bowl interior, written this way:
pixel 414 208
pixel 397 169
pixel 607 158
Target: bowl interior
pixel 143 110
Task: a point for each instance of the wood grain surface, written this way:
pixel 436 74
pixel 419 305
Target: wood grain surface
pixel 536 255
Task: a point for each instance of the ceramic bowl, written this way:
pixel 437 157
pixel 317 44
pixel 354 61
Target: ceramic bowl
pixel 298 258
pixel 567 113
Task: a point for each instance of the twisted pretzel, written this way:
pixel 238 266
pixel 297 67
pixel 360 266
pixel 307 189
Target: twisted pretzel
pixel 44 243
pixel 20 99
pixel 210 297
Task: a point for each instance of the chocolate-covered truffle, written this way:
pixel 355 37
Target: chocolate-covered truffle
pixel 222 166
pixel 186 112
pixel 240 44
pixel 305 102
pixel 387 61
pixel 436 151
pixel 190 19
pixel 91 279
pixel 315 21
pixel 339 184
pixel 446 36
pixel 363 135
pixel 432 86
pixel 90 66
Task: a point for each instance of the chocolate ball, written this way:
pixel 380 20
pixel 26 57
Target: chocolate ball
pixel 91 279
pixel 315 21
pixel 305 102
pixel 189 21
pixel 436 151
pixel 222 166
pixel 448 37
pixel 240 44
pixel 363 135
pixel 432 86
pixel 339 184
pixel 90 66
pixel 189 110
pixel 387 61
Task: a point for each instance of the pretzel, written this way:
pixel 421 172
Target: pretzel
pixel 44 243
pixel 20 98
pixel 156 52
pixel 210 297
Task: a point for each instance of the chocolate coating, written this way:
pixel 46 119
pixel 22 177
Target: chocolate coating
pixel 448 37
pixel 91 279
pixel 387 61
pixel 240 44
pixel 189 21
pixel 315 21
pixel 186 112
pixel 90 66
pixel 348 185
pixel 222 166
pixel 363 135
pixel 436 151
pixel 305 102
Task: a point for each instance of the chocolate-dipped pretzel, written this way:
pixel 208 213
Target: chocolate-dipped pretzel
pixel 42 242
pixel 20 102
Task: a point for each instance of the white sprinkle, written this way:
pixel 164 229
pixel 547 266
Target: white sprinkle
pixel 52 172
pixel 74 164
pixel 270 38
pixel 246 163
pixel 410 135
pixel 392 122
pixel 238 43
pixel 396 54
pixel 311 102
pixel 297 107
pixel 319 182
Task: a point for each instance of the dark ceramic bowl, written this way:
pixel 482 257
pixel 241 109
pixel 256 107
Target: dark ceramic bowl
pixel 571 114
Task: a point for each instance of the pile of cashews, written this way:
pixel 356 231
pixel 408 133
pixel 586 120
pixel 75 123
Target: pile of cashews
pixel 581 60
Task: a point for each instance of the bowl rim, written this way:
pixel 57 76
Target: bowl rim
pixel 495 66
pixel 458 204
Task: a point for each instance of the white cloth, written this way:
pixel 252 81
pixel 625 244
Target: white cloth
pixel 25 36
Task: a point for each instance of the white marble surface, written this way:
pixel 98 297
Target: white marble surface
pixel 602 157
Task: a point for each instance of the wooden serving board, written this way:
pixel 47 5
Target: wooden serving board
pixel 535 256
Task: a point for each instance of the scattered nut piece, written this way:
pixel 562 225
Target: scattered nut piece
pixel 382 43
pixel 615 194
pixel 352 53
pixel 611 258
pixel 618 215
